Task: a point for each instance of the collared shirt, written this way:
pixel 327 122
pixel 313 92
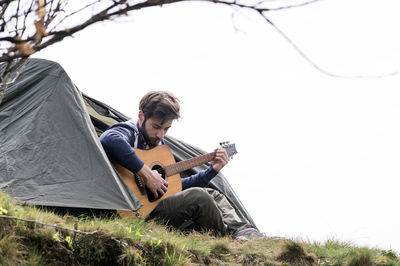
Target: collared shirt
pixel 118 141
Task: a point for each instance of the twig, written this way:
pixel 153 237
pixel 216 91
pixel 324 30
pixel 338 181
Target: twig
pixel 318 67
pixel 289 6
pixel 71 14
pixel 262 12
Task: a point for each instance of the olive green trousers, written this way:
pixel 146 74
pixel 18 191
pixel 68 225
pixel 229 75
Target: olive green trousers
pixel 202 209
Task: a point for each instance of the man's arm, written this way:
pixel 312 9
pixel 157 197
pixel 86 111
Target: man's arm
pixel 116 143
pixel 202 178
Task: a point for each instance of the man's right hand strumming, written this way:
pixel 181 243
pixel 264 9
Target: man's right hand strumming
pixel 153 181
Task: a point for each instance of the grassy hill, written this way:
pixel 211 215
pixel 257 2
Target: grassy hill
pixel 30 236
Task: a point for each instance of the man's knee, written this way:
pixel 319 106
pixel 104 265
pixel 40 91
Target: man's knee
pixel 200 195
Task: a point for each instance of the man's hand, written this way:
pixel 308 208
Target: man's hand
pixel 153 181
pixel 220 160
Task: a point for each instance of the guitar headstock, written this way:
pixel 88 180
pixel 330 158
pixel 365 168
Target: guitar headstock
pixel 230 148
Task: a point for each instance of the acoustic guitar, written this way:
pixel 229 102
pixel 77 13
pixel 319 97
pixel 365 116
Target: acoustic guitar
pixel 161 159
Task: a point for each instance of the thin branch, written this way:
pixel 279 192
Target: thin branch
pixel 262 12
pixel 52 14
pixel 258 7
pixel 73 13
pixel 5 2
pixel 25 17
pixel 318 67
pixel 17 17
pixel 15 40
pixel 286 7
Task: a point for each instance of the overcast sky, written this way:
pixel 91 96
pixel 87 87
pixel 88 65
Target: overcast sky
pixel 318 156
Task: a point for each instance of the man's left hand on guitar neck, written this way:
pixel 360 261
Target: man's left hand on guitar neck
pixel 220 160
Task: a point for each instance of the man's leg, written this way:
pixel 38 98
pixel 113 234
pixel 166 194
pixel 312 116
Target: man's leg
pixel 230 217
pixel 192 205
pixel 238 228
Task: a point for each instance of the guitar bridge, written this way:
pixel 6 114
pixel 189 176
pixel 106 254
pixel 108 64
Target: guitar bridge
pixel 140 184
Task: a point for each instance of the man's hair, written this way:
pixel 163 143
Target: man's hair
pixel 160 104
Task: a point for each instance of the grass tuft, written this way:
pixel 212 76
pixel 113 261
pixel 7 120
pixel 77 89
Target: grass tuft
pixel 362 257
pixel 11 251
pixel 220 250
pixel 295 254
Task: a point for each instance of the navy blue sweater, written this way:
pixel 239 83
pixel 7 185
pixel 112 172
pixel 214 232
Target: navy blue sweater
pixel 118 141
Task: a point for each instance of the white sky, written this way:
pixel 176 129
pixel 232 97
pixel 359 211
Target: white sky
pixel 318 156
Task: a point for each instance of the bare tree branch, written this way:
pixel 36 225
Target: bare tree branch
pixel 318 67
pixel 32 25
pixel 287 7
pixel 259 6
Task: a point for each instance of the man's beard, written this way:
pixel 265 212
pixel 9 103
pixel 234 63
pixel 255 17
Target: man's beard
pixel 152 142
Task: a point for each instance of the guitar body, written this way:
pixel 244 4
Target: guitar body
pixel 156 159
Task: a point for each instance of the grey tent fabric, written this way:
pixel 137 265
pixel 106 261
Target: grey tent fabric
pixel 50 154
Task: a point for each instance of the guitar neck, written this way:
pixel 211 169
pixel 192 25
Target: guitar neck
pixel 179 167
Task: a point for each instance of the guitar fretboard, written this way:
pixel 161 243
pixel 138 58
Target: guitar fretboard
pixel 179 167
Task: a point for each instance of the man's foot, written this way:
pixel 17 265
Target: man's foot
pixel 249 233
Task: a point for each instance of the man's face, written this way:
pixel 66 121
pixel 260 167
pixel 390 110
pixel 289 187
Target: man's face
pixel 155 130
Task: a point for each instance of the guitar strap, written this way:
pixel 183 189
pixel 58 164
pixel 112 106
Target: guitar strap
pixel 135 144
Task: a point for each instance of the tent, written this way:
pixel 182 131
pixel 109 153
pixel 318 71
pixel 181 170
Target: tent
pixel 50 154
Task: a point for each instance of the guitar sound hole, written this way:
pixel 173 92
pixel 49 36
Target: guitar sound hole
pixel 150 194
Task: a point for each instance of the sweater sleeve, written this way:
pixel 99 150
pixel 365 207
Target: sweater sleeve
pixel 116 142
pixel 200 179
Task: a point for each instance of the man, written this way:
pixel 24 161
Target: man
pixel 196 207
